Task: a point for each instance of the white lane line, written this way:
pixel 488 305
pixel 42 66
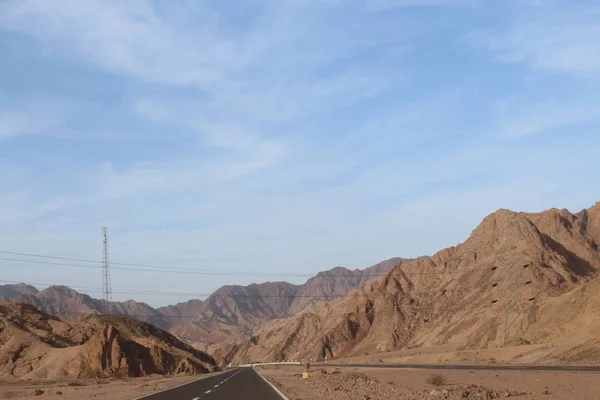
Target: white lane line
pixel 283 396
pixel 216 386
pixel 178 386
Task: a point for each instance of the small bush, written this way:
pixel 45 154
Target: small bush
pixel 437 380
pixel 59 393
pixel 355 375
pixel 38 392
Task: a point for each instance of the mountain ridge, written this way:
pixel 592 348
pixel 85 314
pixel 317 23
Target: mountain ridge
pixel 36 345
pixel 230 312
pixel 451 297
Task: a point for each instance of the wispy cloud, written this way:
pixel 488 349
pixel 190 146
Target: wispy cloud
pixel 286 135
pixel 27 122
pixel 196 119
pixel 552 35
pixel 128 38
pixel 519 118
pixel 382 4
pixel 185 175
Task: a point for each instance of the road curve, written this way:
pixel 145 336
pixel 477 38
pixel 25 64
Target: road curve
pixel 240 383
pixel 551 368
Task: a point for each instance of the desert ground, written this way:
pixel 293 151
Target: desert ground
pixel 100 389
pixel 453 354
pixel 331 383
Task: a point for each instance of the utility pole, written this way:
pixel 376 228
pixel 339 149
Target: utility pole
pixel 106 285
pixel 512 295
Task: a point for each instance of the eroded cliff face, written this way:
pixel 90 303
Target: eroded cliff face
pixel 233 312
pixel 457 296
pixel 35 345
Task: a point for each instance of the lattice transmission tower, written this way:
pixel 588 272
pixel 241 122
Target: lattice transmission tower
pixel 106 285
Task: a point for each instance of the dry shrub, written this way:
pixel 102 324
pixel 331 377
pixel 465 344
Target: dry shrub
pixel 437 380
pixel 59 393
pixel 355 375
pixel 38 392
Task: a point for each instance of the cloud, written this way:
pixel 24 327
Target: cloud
pixel 128 38
pixel 285 135
pixel 12 124
pixel 27 122
pixel 384 4
pixel 549 35
pixel 132 39
pixel 197 119
pixel 518 118
pixel 185 175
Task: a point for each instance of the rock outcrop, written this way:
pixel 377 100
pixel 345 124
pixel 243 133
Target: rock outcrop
pixel 35 345
pixel 540 262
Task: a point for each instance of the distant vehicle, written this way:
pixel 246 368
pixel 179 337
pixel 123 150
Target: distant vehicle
pixel 230 365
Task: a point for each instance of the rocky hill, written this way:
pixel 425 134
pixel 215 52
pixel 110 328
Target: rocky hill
pixel 65 302
pixel 229 314
pixel 35 345
pixel 232 312
pixel 9 292
pixel 549 261
pixel 180 313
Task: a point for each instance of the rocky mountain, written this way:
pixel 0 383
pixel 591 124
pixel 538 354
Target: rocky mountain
pixel 9 292
pixel 337 282
pixel 35 345
pixel 229 314
pixel 65 302
pixel 232 312
pixel 545 262
pixel 591 222
pixel 180 313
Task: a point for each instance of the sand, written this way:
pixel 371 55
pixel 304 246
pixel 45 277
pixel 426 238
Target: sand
pixel 376 383
pixel 449 354
pixel 106 389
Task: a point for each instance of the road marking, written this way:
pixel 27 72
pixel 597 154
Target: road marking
pixel 283 396
pixel 178 386
pixel 217 385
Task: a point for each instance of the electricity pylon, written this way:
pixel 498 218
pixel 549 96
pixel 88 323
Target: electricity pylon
pixel 106 285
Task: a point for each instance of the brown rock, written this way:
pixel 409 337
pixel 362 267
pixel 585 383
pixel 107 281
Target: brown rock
pixel 448 298
pixel 35 345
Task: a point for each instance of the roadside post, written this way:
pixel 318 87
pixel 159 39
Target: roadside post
pixel 305 373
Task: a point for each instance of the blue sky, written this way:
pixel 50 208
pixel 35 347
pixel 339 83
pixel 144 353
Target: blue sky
pixel 285 136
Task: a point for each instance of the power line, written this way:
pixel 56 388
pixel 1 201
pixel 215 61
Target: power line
pixel 162 316
pixel 168 269
pixel 184 294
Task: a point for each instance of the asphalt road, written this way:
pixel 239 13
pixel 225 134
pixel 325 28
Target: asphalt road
pixel 240 383
pixel 555 368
